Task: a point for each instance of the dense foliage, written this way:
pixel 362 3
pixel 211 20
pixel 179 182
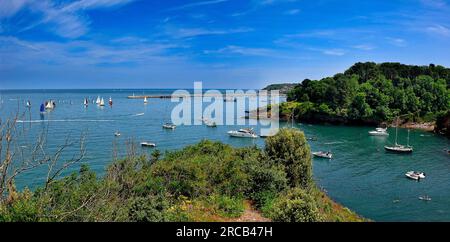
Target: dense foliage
pixel 374 93
pixel 284 88
pixel 209 181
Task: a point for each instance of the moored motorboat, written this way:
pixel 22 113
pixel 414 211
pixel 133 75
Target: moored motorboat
pixel 169 126
pixel 425 198
pixel 148 144
pixel 323 154
pixel 243 133
pixel 379 132
pixel 415 175
pixel 211 124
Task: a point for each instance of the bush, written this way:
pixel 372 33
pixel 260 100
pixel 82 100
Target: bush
pixel 148 209
pixel 296 205
pixel 289 148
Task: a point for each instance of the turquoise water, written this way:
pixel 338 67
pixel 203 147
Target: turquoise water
pixel 362 176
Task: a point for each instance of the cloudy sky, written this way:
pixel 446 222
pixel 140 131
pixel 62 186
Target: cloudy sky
pixel 224 43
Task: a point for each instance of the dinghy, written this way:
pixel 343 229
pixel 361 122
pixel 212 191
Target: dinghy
pixel 323 154
pixel 148 144
pixel 169 126
pixel 243 133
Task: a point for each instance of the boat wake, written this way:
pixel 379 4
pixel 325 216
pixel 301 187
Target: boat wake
pixel 65 120
pixel 139 114
pixel 335 143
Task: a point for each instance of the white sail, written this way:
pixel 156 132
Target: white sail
pixel 145 100
pixel 98 100
pixel 102 102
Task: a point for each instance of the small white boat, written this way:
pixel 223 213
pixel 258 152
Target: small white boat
pixel 414 175
pixel 211 124
pixel 148 144
pixel 169 126
pixel 145 100
pixel 425 198
pixel 102 102
pixel 379 132
pixel 117 134
pixel 243 133
pixel 323 154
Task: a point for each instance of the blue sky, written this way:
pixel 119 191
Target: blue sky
pixel 224 43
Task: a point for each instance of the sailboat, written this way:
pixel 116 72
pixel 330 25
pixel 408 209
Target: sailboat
pixel 86 102
pixel 50 105
pixel 397 147
pixel 110 101
pixel 145 100
pixel 102 102
pixel 98 100
pixel 28 104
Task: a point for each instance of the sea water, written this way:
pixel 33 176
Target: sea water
pixel 361 175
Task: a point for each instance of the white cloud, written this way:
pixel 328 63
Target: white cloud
pixel 9 8
pixel 292 12
pixel 196 4
pixel 66 20
pixel 366 47
pixel 335 52
pixel 232 49
pixel 194 32
pixel 434 3
pixel 82 53
pixel 396 41
pixel 439 29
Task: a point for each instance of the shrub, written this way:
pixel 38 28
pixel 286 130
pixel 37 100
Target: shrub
pixel 289 148
pixel 296 205
pixel 148 209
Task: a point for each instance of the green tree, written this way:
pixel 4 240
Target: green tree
pixel 289 148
